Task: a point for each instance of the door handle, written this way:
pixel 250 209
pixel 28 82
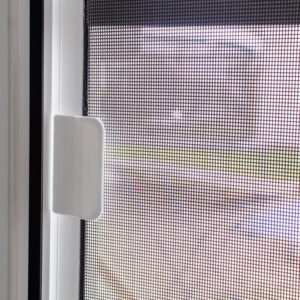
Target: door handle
pixel 78 166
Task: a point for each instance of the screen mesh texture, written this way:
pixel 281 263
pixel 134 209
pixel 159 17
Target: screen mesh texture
pixel 201 107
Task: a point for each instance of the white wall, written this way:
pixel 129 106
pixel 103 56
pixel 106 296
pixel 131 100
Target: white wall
pixel 4 148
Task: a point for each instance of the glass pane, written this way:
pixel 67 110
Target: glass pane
pixel 202 162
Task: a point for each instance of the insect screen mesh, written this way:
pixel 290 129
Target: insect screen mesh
pixel 200 101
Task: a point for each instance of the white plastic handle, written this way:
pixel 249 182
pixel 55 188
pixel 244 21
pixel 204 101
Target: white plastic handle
pixel 78 169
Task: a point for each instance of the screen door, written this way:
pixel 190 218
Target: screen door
pixel 200 102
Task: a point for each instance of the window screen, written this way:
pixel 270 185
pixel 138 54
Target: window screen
pixel 200 101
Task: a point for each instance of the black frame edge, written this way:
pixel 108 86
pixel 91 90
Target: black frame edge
pixel 35 150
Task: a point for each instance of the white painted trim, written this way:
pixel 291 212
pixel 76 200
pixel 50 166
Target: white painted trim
pixel 19 148
pixel 63 80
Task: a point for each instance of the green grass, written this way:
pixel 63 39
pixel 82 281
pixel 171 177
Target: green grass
pixel 255 163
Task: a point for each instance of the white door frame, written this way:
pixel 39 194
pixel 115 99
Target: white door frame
pixel 14 148
pixel 63 81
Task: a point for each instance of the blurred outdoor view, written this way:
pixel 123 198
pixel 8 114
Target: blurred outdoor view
pixel 202 179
